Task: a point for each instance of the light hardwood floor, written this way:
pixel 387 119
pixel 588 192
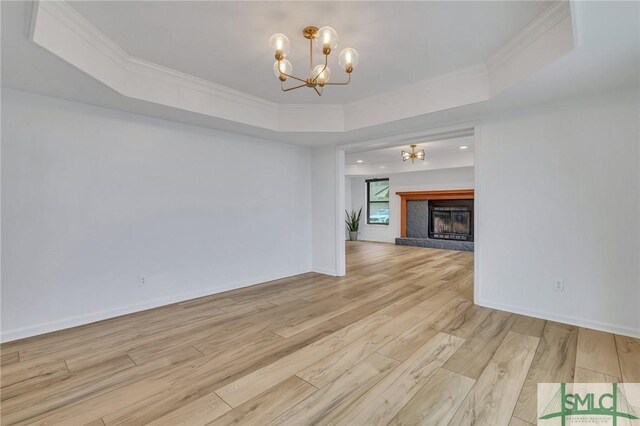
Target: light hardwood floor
pixel 396 341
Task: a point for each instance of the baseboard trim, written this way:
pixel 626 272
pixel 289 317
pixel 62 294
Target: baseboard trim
pixel 580 322
pixel 325 271
pixel 34 330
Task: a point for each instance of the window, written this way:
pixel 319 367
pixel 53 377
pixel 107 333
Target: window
pixel 378 201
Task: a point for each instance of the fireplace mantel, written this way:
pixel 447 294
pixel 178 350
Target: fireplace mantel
pixel 450 194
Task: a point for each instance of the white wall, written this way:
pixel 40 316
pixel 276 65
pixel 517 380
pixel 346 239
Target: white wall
pixel 429 180
pixel 327 204
pixel 558 198
pixel 94 198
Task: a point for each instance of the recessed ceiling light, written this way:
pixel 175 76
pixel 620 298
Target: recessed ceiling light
pixel 464 147
pixel 359 161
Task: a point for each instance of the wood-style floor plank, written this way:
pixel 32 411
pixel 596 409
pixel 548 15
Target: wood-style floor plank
pixel 18 378
pixel 327 369
pixel 554 362
pixel 597 352
pixel 584 375
pixel 409 341
pixel 187 382
pixel 478 349
pixel 515 421
pixel 9 357
pixel 199 412
pixel 437 402
pixel 329 402
pixel 111 389
pixel 331 310
pixel 629 356
pixel 268 405
pixel 381 404
pixel 370 308
pixel 463 324
pixel 494 395
pixel 254 383
pixel 528 325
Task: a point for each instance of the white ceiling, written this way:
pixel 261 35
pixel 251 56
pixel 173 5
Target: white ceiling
pixel 400 43
pixel 439 154
pixel 432 149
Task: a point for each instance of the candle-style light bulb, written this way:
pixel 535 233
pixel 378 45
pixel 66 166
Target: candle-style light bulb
pixel 282 67
pixel 348 59
pixel 321 76
pixel 281 45
pixel 326 39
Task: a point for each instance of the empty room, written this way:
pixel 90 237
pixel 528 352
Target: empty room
pixel 320 212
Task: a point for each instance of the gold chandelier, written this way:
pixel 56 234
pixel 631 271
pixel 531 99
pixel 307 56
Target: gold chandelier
pixel 326 39
pixel 413 155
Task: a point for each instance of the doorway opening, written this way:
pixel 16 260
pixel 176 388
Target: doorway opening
pixel 394 213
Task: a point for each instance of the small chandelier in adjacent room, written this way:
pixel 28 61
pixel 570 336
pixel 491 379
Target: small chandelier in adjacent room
pixel 413 155
pixel 326 40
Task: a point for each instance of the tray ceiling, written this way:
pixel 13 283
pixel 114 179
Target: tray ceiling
pixel 567 50
pixel 63 31
pixel 400 43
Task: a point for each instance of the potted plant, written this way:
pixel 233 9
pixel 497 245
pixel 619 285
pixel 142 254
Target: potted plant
pixel 353 223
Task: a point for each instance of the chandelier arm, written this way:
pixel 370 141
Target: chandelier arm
pixel 326 59
pixel 289 76
pixel 317 91
pixel 293 77
pixel 341 84
pixel 290 88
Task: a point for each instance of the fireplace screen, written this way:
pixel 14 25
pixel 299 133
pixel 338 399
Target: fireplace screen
pixel 451 223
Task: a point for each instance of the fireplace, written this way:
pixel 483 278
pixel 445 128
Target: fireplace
pixel 451 220
pixel 437 219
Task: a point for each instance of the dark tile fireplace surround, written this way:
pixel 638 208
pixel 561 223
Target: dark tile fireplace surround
pixel 437 223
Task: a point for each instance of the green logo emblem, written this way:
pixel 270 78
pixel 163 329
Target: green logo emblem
pixel 613 404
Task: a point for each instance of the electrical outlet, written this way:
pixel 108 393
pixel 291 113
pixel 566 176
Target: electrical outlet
pixel 558 285
pixel 142 280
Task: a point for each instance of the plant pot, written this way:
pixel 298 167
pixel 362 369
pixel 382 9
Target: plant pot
pixel 353 236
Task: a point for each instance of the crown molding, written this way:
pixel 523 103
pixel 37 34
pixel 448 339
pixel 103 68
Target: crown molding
pixel 66 33
pixel 460 87
pixel 60 29
pixel 542 41
pixel 529 34
pixel 77 23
